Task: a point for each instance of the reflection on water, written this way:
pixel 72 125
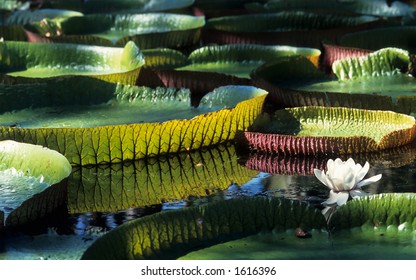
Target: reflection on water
pixel 100 199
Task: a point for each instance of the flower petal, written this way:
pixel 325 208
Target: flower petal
pixel 349 182
pixel 342 198
pixel 360 175
pixel 338 198
pixel 357 193
pixel 369 181
pixel 321 176
pixel 330 166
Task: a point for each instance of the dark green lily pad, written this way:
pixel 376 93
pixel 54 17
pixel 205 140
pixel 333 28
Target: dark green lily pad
pixel 22 17
pixel 151 30
pixel 119 6
pixel 285 21
pixel 378 80
pixel 374 39
pixel 172 234
pixel 345 245
pixel 369 7
pixel 240 60
pixel 39 60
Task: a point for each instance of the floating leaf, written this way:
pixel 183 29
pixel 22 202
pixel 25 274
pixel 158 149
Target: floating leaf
pixel 152 30
pixel 118 143
pixel 321 130
pixel 368 7
pixel 131 6
pixel 164 58
pixel 22 17
pixel 341 245
pixel 378 38
pixel 385 212
pixel 153 181
pixel 240 60
pixel 169 235
pixel 285 21
pixel 39 60
pixel 34 161
pixel 385 88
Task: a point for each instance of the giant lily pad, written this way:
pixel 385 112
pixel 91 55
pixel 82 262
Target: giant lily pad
pixel 178 232
pixel 213 122
pixel 240 60
pixel 377 38
pixel 368 7
pixel 297 28
pixel 39 60
pixel 378 80
pixel 111 6
pixel 21 17
pixel 324 130
pixel 27 169
pixel 171 234
pixel 146 30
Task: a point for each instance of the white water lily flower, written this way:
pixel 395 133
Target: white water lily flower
pixel 344 178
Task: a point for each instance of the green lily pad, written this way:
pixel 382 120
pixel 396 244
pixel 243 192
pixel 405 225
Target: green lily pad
pixel 378 80
pixel 34 160
pixel 151 30
pixel 119 6
pixel 153 181
pixel 284 21
pixel 21 17
pixel 325 130
pixel 10 5
pixel 369 7
pixel 344 245
pixel 385 213
pixel 264 221
pixel 164 58
pixel 241 60
pixel 39 60
pixel 377 38
pixel 172 234
pixel 28 169
pixel 171 132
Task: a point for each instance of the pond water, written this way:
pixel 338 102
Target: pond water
pixel 63 220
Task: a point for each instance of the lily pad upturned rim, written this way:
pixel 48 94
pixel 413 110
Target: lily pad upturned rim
pixel 171 234
pixel 323 145
pixel 34 160
pixel 120 143
pixel 176 30
pixel 107 63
